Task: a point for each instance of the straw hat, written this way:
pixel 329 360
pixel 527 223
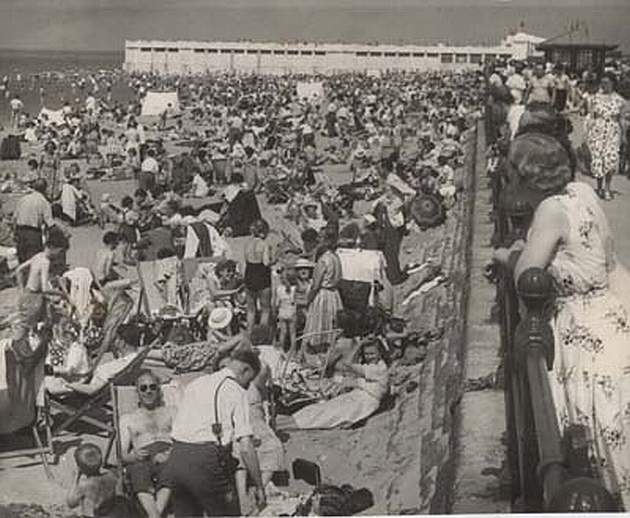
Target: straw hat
pixel 220 318
pixel 303 263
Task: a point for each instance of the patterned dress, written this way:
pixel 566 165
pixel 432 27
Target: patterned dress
pixel 591 375
pixel 322 312
pixel 604 133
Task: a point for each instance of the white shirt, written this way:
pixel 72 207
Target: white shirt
pixel 196 415
pixel 150 165
pixel 199 186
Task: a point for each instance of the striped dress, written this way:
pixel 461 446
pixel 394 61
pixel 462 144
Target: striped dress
pixel 322 312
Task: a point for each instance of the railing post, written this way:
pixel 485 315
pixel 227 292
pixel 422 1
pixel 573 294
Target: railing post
pixel 534 356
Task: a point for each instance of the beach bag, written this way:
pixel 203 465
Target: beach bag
pixel 10 148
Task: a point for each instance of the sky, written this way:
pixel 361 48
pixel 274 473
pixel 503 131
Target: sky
pixel 93 25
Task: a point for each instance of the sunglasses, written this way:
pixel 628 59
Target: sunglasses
pixel 146 388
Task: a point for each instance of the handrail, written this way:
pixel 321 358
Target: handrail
pixel 549 472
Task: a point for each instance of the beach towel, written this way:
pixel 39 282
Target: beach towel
pixel 80 296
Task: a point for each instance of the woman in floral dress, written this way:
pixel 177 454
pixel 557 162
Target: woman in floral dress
pixel 569 236
pixel 604 135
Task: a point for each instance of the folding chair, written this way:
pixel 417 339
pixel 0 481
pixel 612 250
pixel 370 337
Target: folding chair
pixel 124 401
pixel 27 386
pixel 87 408
pixel 42 435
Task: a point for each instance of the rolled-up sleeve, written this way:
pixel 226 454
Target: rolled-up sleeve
pixel 241 421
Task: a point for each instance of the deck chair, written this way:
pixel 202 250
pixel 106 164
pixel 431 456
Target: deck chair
pixel 124 401
pixel 23 414
pixel 96 408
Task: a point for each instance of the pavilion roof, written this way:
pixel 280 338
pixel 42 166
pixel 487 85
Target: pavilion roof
pixel 578 36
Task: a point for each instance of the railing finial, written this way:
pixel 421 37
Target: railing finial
pixel 535 287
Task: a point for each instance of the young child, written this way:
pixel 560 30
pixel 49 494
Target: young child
pixel 94 489
pixel 286 309
pixel 304 273
pixel 129 219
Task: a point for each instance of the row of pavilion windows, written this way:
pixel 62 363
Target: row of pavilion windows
pixel 444 57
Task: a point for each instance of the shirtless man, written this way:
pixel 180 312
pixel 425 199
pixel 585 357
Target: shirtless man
pixel 146 444
pixel 33 277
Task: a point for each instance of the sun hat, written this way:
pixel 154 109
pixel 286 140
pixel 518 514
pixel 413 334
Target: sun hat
pixel 220 318
pixel 303 263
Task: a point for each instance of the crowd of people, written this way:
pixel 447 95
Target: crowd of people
pixel 252 301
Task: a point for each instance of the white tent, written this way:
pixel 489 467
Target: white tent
pixel 310 90
pixel 51 116
pixel 156 103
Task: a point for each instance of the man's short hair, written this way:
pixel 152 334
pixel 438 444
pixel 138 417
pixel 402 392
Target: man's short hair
pixel 57 240
pixel 110 238
pixel 40 185
pixel 248 357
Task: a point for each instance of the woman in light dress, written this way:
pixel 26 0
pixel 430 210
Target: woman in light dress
pixel 570 238
pixel 604 136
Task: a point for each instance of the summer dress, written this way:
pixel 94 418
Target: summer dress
pixel 590 381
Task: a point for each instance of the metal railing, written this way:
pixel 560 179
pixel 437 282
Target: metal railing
pixel 549 469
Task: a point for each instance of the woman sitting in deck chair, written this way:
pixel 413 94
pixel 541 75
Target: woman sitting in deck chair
pixel 129 342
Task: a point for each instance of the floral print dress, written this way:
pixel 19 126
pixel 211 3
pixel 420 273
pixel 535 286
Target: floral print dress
pixel 590 381
pixel 604 133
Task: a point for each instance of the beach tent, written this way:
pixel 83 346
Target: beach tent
pixel 310 90
pixel 155 103
pixel 52 116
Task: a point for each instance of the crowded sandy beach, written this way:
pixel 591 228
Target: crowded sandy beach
pixel 230 294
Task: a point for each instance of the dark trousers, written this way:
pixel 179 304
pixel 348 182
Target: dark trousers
pixel 199 483
pixel 29 241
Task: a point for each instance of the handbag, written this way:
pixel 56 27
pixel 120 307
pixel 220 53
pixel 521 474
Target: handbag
pixel 227 462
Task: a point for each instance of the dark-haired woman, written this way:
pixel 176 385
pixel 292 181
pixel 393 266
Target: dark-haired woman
pixel 604 134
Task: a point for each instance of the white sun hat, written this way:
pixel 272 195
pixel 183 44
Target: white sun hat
pixel 220 318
